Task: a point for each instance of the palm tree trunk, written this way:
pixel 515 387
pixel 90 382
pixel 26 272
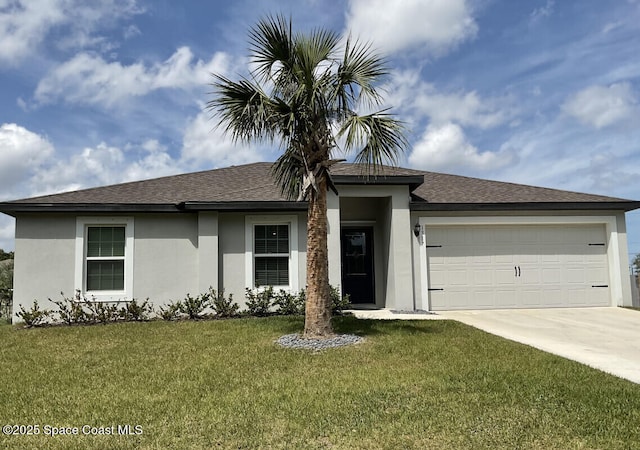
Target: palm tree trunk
pixel 317 321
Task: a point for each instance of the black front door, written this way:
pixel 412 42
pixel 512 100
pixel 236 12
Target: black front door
pixel 357 264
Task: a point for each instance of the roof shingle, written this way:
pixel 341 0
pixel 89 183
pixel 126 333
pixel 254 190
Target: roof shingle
pixel 253 183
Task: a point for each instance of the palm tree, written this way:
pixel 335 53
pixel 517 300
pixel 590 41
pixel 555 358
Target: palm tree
pixel 304 93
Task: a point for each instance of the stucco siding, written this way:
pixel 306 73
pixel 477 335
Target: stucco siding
pixel 44 259
pixel 166 257
pixel 231 263
pixel 392 222
pixel 233 245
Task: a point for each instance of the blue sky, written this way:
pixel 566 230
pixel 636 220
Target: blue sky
pixel 538 92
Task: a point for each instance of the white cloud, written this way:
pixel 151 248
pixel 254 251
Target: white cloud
pixel 608 171
pixel 25 24
pixel 157 162
pixel 94 166
pixel 89 79
pixel 22 152
pixel 131 31
pixel 104 165
pixel 601 106
pixel 446 148
pixel 466 108
pixel 540 13
pixel 436 26
pixel 205 144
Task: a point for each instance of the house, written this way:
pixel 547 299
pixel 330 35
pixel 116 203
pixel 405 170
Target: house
pixel 403 240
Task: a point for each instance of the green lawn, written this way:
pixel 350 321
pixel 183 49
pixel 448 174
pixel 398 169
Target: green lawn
pixel 225 384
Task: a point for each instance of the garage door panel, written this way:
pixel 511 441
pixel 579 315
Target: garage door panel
pixel 484 299
pixel 576 258
pixel 530 275
pixel 505 276
pixel 530 298
pixel 458 278
pixel 550 258
pixel 483 267
pixel 551 276
pixel 504 258
pixel 480 256
pixel 505 299
pixel 576 276
pixel 596 295
pixel 438 301
pixel 483 277
pixel 551 296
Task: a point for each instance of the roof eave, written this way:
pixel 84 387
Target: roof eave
pixel 413 181
pixel 526 206
pixel 15 208
pixel 244 206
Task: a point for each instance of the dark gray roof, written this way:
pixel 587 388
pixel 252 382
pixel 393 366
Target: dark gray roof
pixel 251 186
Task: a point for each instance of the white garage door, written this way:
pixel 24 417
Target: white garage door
pixel 488 267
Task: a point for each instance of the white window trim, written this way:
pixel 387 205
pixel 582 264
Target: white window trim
pixel 611 233
pixel 82 223
pixel 250 222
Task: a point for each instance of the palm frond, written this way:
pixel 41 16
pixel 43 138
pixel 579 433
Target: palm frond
pixel 244 109
pixel 379 136
pixel 289 170
pixel 271 43
pixel 314 49
pixel 356 76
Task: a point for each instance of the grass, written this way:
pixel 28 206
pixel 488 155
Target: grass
pixel 225 384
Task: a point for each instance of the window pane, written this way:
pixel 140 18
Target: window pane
pixel 105 241
pixel 271 239
pixel 271 271
pixel 105 275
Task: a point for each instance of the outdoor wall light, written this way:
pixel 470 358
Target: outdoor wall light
pixel 416 230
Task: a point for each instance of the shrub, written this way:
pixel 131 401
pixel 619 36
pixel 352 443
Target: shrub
pixel 193 307
pixel 223 307
pixel 338 303
pixel 171 312
pixel 5 308
pixel 289 304
pixel 259 301
pixel 34 317
pixel 71 310
pixel 101 312
pixel 134 312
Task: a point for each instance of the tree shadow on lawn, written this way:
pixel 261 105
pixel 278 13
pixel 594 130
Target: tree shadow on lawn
pixel 372 327
pixel 367 327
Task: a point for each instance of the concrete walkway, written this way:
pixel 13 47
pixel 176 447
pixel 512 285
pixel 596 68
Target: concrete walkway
pixel 605 338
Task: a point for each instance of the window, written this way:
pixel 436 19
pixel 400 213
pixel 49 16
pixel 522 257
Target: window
pixel 104 257
pixel 271 251
pixel 271 255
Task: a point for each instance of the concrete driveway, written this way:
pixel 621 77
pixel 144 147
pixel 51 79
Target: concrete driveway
pixel 605 338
